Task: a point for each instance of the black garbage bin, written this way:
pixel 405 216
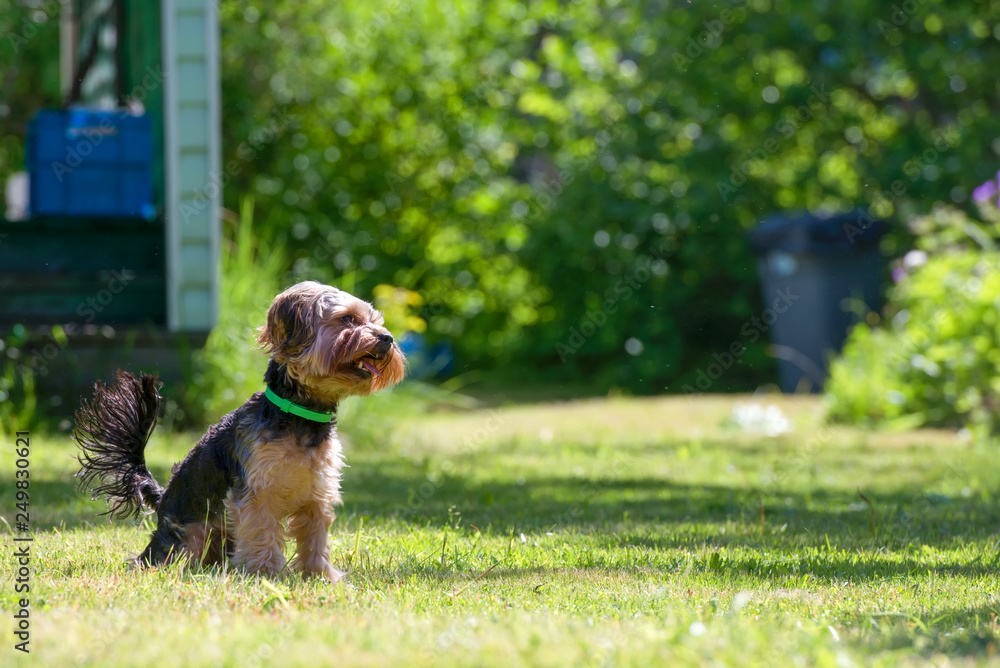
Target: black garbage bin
pixel 812 269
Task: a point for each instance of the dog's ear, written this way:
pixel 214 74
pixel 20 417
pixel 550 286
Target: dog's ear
pixel 291 322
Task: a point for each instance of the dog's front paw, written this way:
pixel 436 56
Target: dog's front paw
pixel 317 567
pixel 270 565
pixel 321 569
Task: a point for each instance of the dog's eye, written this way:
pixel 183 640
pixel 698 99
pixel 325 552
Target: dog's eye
pixel 348 319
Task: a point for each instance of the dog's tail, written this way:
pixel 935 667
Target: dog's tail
pixel 112 431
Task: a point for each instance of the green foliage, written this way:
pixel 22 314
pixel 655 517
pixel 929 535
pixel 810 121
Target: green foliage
pixel 536 168
pixel 18 403
pixel 543 168
pixel 937 362
pixel 29 73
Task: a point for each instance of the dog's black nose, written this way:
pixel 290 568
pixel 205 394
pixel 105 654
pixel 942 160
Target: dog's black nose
pixel 384 344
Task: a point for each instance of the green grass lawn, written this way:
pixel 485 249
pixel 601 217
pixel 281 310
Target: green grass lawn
pixel 590 533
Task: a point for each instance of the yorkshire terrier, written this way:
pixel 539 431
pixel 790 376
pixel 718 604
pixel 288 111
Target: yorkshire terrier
pixel 275 457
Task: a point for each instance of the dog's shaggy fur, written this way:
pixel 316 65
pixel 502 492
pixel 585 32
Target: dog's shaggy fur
pixel 259 465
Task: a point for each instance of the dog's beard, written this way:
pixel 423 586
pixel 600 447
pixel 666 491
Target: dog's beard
pixel 343 362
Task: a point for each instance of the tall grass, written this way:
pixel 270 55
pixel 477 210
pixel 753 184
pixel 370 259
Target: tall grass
pixel 230 367
pixel 18 403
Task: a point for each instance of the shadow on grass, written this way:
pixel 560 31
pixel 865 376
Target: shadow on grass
pixel 966 632
pixel 643 512
pixel 856 568
pixel 58 503
pixel 649 509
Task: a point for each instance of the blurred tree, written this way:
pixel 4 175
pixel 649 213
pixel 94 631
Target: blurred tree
pixel 568 184
pixel 29 73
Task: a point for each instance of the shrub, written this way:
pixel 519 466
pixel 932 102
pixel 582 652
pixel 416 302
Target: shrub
pixel 568 185
pixel 937 360
pixel 536 169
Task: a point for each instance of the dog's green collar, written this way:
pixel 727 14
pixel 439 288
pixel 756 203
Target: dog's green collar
pixel 288 406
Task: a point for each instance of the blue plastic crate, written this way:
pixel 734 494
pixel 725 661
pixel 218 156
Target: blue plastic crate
pixel 84 162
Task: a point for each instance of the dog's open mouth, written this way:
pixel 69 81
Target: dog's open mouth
pixel 367 364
